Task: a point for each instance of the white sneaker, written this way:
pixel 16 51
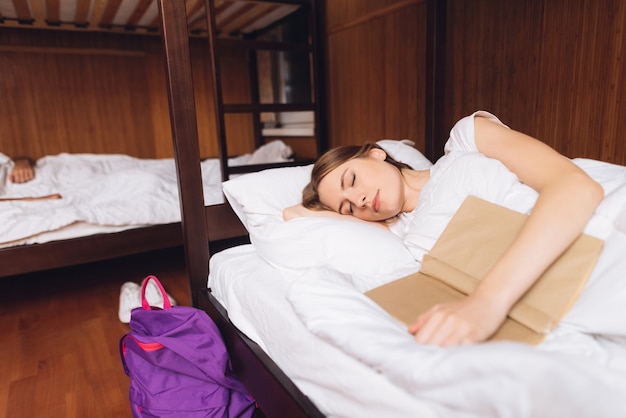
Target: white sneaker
pixel 130 298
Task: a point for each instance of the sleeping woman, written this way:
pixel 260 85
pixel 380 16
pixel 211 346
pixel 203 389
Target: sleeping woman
pixel 485 158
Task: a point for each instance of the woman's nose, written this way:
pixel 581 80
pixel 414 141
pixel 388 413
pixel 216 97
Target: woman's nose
pixel 359 200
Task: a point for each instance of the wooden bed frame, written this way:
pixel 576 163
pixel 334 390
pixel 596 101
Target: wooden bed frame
pixel 38 257
pixel 275 394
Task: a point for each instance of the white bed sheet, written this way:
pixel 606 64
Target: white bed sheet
pixel 352 359
pixel 255 295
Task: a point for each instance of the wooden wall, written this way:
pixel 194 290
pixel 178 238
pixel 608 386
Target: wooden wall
pixel 102 93
pixel 552 68
pixel 375 70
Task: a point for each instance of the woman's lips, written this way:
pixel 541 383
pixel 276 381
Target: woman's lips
pixel 376 202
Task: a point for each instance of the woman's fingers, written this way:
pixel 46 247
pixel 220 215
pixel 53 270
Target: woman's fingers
pixel 465 321
pixel 22 172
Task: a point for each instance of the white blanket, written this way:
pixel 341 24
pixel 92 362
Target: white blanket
pixel 352 359
pixel 571 374
pixel 106 190
pixel 110 191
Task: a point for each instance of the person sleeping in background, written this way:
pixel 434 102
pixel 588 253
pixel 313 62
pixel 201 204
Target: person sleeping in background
pixel 23 171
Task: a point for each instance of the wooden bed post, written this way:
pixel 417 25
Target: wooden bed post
pixel 217 88
pixel 435 77
pixel 185 138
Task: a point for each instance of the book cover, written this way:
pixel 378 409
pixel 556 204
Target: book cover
pixel 475 238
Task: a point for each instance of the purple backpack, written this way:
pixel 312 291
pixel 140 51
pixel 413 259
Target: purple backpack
pixel 178 364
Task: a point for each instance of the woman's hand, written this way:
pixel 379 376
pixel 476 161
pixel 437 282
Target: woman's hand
pixel 297 211
pixel 466 321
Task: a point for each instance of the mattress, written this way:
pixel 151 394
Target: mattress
pixel 353 359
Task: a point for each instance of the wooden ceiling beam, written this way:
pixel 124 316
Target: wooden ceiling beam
pixel 108 14
pixel 53 12
pixel 138 13
pixel 81 17
pixel 23 11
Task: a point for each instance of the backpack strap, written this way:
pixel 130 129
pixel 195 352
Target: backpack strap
pixel 123 353
pixel 144 302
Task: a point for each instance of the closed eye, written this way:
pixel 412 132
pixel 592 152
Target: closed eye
pixel 344 204
pixel 343 186
pixel 350 211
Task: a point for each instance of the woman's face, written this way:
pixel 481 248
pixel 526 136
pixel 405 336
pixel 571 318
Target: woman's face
pixel 368 188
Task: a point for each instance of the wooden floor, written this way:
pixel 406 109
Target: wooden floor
pixel 60 331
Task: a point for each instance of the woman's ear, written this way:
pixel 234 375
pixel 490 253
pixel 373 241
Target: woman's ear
pixel 377 153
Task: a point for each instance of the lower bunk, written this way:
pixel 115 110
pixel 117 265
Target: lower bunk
pixel 292 305
pixel 310 345
pixel 110 205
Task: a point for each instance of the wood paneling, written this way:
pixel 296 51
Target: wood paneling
pixel 75 100
pixel 553 69
pixel 104 93
pixel 346 13
pixel 236 89
pixel 376 71
pixel 90 93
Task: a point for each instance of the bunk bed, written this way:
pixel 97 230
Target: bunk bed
pixel 275 393
pixel 82 242
pixel 363 373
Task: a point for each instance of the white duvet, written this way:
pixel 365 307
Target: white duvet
pixel 353 359
pixel 101 190
pixel 571 374
pixel 103 193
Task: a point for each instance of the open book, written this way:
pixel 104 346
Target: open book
pixel 477 235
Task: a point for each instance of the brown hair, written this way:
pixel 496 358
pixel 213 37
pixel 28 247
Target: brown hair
pixel 333 159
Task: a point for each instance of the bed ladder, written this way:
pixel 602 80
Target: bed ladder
pixel 255 44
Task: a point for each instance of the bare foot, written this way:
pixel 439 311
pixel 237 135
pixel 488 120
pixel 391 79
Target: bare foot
pixel 23 170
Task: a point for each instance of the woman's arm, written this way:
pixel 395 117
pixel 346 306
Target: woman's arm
pixel 567 199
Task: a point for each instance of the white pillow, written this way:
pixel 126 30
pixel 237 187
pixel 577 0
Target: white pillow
pixel 260 197
pixel 365 253
pixel 404 151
